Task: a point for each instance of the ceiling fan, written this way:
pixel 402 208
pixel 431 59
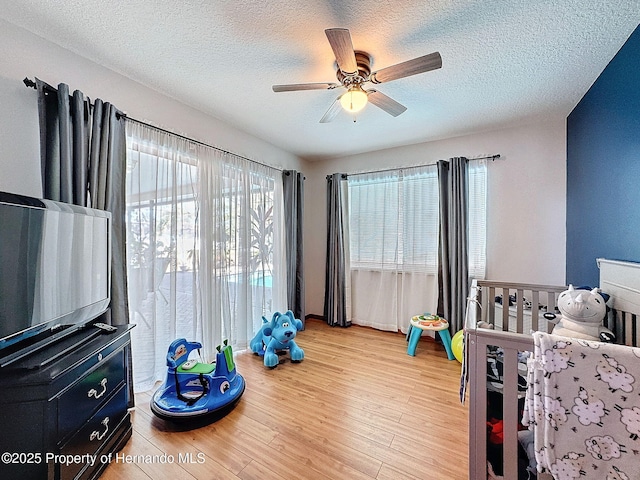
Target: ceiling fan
pixel 354 71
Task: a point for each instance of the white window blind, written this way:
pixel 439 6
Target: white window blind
pixel 393 220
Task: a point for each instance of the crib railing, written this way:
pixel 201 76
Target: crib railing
pixel 625 327
pixel 509 323
pixel 524 308
pixel 511 343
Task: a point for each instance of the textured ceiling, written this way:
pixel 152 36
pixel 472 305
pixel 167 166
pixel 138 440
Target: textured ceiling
pixel 504 61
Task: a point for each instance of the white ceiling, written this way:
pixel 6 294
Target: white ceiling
pixel 504 61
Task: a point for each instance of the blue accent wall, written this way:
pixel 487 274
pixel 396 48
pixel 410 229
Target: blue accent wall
pixel 603 169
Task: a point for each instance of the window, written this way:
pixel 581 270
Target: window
pixel 393 233
pixel 393 220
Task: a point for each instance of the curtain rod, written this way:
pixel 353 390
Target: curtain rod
pixel 484 157
pixel 163 130
pixel 31 84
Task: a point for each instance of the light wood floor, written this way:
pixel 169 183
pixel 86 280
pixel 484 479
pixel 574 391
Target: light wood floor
pixel 357 407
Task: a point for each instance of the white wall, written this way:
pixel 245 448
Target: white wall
pixel 27 55
pixel 19 139
pixel 526 201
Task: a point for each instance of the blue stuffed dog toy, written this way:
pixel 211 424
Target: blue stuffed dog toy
pixel 278 334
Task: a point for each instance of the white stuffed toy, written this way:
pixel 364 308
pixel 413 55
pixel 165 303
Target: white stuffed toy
pixel 582 313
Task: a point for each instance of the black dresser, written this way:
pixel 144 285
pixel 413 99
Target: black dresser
pixel 63 409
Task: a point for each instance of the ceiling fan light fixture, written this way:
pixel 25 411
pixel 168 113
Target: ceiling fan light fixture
pixel 354 100
pixel 353 72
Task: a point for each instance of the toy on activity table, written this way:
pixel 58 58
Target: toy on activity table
pixel 276 335
pixel 581 315
pixel 194 389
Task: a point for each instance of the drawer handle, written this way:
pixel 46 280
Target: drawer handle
pixel 97 435
pixel 94 393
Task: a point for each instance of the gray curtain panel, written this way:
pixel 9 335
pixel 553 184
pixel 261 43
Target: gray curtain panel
pixel 293 190
pixel 111 165
pixel 83 159
pixel 335 312
pixel 453 270
pixel 49 141
pixel 83 156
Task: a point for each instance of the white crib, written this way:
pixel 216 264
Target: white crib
pixel 512 326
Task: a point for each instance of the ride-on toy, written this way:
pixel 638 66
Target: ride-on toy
pixel 276 336
pixel 195 389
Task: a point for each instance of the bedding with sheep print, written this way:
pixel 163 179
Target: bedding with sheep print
pixel 583 405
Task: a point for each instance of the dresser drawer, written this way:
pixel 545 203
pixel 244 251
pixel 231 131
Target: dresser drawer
pixel 95 433
pixel 85 396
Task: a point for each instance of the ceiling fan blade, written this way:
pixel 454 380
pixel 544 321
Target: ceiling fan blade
pixel 408 68
pixel 332 112
pixel 340 41
pixel 305 86
pixel 386 103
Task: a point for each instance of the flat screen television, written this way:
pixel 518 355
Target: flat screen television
pixel 54 268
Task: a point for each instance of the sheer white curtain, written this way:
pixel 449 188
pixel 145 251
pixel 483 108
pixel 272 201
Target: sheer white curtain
pixel 477 208
pixel 242 247
pixel 204 244
pixel 393 231
pixel 162 215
